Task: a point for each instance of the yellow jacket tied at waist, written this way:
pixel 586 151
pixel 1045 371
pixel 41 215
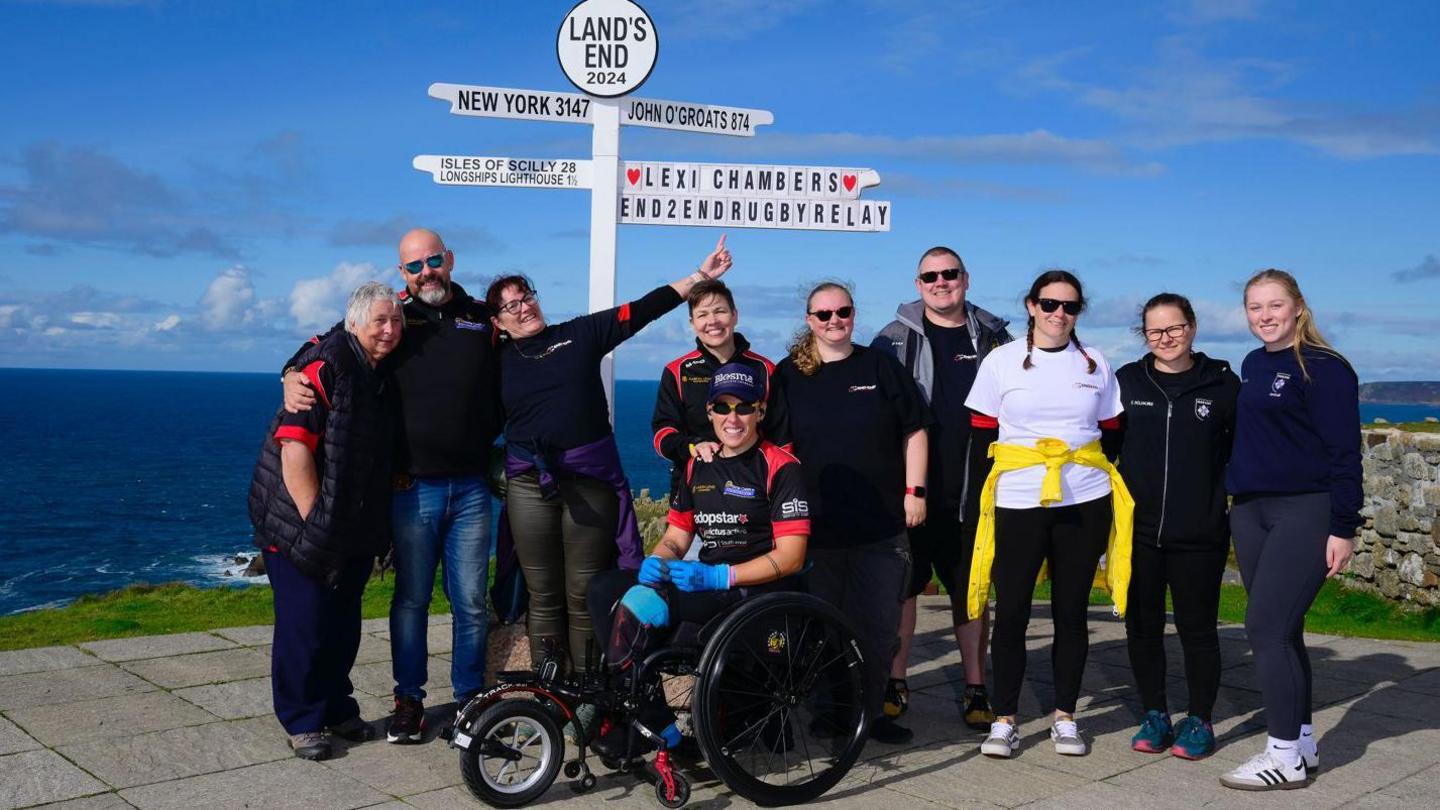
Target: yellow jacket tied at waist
pixel 1054 454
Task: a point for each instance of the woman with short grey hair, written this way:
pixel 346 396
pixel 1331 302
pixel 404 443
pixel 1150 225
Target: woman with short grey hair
pixel 320 504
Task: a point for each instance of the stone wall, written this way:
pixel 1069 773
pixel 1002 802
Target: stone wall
pixel 1398 553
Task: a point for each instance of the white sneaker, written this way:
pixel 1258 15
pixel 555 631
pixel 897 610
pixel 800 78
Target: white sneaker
pixel 1066 736
pixel 1265 771
pixel 1002 742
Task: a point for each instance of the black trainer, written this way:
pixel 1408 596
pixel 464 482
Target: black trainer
pixel 885 730
pixel 407 724
pixel 354 730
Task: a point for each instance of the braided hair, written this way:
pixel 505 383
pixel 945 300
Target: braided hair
pixel 1056 276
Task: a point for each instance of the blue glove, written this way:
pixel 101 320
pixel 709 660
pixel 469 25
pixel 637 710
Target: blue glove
pixel 652 570
pixel 698 576
pixel 646 605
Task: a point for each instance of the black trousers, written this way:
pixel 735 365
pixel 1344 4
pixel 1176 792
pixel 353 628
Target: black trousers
pixel 1193 579
pixel 317 635
pixel 869 584
pixel 1280 545
pixel 607 587
pixel 1071 539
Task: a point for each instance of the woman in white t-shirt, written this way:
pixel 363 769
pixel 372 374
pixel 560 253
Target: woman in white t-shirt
pixel 1049 397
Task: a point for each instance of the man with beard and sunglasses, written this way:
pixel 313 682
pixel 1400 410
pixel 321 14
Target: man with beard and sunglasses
pixel 446 372
pixel 941 339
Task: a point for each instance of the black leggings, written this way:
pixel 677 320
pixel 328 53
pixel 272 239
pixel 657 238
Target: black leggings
pixel 1193 578
pixel 1280 545
pixel 1071 539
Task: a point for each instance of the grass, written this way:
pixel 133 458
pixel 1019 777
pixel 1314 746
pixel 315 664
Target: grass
pixel 145 610
pixel 1413 427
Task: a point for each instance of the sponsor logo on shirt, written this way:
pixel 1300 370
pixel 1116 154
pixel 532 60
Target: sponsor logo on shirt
pixel 549 350
pixel 694 362
pixel 1145 402
pixel 720 518
pixel 734 376
pixel 855 388
pixel 690 378
pixel 1202 408
pixel 794 508
pixel 738 491
pixel 699 488
pixel 961 358
pixel 1091 386
pixel 461 323
pixel 1278 383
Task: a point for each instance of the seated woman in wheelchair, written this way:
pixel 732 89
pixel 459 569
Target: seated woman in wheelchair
pixel 748 508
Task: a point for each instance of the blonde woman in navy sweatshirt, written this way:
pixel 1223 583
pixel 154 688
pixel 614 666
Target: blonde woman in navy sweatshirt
pixel 1296 481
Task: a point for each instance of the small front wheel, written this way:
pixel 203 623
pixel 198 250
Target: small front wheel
pixel 515 753
pixel 673 791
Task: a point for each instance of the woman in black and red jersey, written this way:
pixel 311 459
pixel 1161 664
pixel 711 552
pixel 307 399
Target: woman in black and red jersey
pixel 748 510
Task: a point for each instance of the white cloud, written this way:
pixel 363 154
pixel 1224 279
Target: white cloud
pixel 170 322
pixel 228 300
pixel 317 303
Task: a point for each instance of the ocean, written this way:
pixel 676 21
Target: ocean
pixel 118 477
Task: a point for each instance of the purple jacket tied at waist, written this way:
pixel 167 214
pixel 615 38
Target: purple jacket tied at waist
pixel 600 460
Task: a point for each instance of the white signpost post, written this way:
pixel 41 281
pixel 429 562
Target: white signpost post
pixel 607 49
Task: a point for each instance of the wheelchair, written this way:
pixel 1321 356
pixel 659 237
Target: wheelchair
pixel 777 709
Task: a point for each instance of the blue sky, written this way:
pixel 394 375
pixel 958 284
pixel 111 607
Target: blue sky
pixel 197 185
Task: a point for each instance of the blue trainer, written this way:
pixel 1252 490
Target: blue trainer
pixel 1155 734
pixel 1194 739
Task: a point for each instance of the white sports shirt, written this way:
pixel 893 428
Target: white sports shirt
pixel 1055 398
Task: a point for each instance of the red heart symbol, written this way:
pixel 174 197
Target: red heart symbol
pixel 849 182
pixel 633 175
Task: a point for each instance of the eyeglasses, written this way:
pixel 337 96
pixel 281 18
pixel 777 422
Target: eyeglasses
pixel 512 307
pixel 740 408
pixel 1051 304
pixel 949 274
pixel 433 262
pixel 824 314
pixel 1173 332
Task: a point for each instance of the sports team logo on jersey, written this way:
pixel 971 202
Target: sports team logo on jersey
pixel 1278 383
pixel 738 491
pixel 1202 408
pixel 962 357
pixel 476 326
pixel 794 508
pixel 699 488
pixel 855 388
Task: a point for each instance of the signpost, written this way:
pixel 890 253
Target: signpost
pixel 607 49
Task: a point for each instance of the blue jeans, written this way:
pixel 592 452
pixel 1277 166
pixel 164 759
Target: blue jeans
pixel 435 516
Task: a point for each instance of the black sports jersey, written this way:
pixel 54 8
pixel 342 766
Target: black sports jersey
pixel 955 365
pixel 550 382
pixel 680 418
pixel 737 506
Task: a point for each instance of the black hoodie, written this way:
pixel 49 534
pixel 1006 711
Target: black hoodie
pixel 1174 452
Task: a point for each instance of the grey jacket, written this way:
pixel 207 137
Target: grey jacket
pixel 904 338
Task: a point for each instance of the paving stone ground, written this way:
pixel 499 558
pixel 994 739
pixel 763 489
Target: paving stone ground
pixel 184 721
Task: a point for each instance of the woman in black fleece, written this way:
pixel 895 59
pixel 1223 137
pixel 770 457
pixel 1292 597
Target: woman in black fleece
pixel 1296 481
pixel 1179 423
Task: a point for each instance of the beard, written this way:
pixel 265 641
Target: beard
pixel 434 296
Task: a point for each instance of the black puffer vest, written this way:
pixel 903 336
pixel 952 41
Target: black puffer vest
pixel 351 516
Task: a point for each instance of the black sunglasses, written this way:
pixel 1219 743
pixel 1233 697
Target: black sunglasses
pixel 824 314
pixel 741 408
pixel 434 262
pixel 949 274
pixel 1051 304
pixel 513 306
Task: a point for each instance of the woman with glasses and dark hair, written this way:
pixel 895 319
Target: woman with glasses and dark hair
pixel 1051 498
pixel 567 500
pixel 856 421
pixel 1295 476
pixel 1179 423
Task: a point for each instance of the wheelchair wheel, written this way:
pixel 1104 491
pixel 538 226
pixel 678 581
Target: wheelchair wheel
pixel 780 699
pixel 515 753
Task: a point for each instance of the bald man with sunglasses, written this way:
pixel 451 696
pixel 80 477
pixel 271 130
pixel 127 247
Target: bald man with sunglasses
pixel 446 374
pixel 941 339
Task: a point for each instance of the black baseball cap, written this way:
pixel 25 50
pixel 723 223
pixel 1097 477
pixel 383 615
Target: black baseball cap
pixel 737 380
